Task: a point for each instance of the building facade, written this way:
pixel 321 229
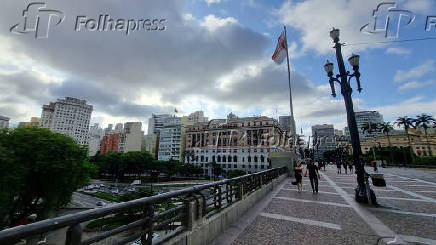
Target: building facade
pixel 4 122
pixel 170 135
pixel 363 117
pixel 69 116
pixel 150 144
pixel 95 137
pixel 132 136
pixel 155 123
pixel 323 139
pixel 417 139
pixel 109 143
pixel 197 117
pixel 237 143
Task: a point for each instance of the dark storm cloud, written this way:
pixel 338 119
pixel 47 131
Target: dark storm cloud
pixel 27 84
pixel 104 100
pixel 111 70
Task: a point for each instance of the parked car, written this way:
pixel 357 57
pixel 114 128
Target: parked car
pixel 101 204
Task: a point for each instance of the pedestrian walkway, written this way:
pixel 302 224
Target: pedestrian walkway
pixel 407 211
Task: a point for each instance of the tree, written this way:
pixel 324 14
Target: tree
pixel 39 171
pixel 406 122
pixel 424 121
pixel 385 128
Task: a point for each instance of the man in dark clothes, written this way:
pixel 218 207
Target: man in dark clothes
pixel 313 175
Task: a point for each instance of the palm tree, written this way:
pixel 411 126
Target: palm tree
pixel 385 128
pixel 406 122
pixel 370 128
pixel 424 121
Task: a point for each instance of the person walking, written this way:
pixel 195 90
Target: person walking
pixel 338 165
pixel 344 164
pixel 313 175
pixel 350 167
pixel 298 170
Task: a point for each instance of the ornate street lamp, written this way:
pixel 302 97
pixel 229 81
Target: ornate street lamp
pixel 363 192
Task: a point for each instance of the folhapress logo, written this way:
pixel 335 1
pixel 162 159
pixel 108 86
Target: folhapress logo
pixel 38 19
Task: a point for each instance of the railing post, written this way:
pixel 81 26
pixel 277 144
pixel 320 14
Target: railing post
pixel 74 235
pixel 147 237
pixel 240 194
pixel 192 213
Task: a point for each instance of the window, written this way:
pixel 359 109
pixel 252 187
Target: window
pixel 229 165
pixel 213 158
pixel 202 158
pixel 219 159
pixel 249 158
pixel 235 166
pixel 235 158
pixel 255 158
pixel 229 159
pixel 224 158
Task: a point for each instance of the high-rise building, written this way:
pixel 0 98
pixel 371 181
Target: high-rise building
pixel 109 143
pixel 4 122
pixel 288 124
pixel 363 117
pixel 68 116
pixel 34 122
pixel 155 123
pixel 95 137
pixel 132 137
pixel 149 143
pixel 236 143
pixel 170 135
pixel 119 128
pixel 197 117
pixel 323 139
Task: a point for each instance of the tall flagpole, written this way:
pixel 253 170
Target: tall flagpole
pixel 292 121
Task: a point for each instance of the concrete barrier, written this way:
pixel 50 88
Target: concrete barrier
pixel 205 229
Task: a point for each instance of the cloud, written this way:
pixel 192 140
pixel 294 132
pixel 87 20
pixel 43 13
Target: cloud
pixel 313 19
pixel 209 2
pixel 416 84
pixel 415 72
pixel 398 51
pixel 409 107
pixel 213 23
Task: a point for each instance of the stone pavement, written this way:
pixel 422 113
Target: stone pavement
pixel 407 211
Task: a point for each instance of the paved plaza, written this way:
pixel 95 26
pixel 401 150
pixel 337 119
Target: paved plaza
pixel 407 211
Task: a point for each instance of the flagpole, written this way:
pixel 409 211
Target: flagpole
pixel 292 121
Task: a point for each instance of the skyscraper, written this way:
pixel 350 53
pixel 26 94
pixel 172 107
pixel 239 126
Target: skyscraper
pixel 155 123
pixel 68 116
pixel 323 139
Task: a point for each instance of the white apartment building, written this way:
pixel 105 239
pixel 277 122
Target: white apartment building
pixel 363 117
pixel 68 116
pixel 149 144
pixel 323 139
pixel 4 122
pixel 170 135
pixel 155 123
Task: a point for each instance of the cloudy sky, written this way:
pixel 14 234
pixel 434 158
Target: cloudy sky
pixel 215 56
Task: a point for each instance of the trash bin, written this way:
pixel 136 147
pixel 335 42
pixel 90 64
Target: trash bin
pixel 378 180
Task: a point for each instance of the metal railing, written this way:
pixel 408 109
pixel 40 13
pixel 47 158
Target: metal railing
pixel 146 215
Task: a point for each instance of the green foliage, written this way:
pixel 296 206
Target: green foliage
pixel 39 171
pixel 235 173
pixel 429 161
pixel 399 155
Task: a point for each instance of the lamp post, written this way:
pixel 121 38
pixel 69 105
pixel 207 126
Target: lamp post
pixel 363 192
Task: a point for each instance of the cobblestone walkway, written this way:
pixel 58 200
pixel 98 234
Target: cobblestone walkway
pixel 407 211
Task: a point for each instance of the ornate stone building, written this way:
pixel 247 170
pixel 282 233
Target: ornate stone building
pixel 235 143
